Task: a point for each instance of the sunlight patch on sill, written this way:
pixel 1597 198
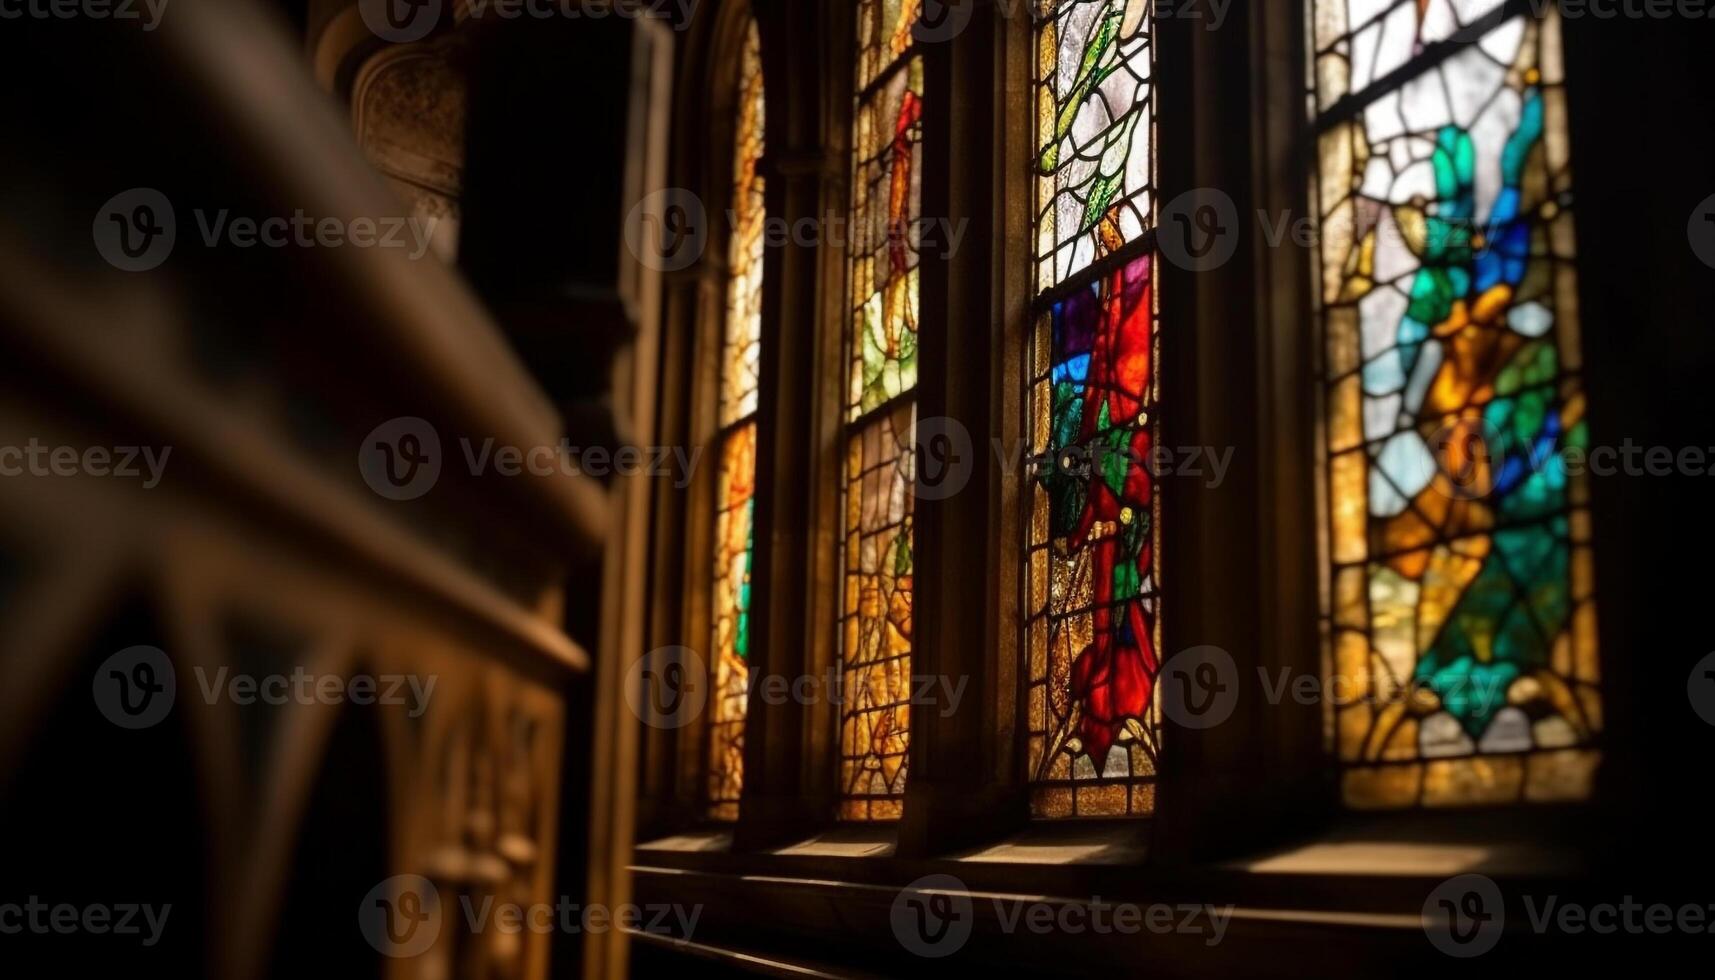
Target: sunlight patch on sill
pixel 845 842
pixel 1013 852
pixel 711 840
pixel 1068 844
pixel 1375 858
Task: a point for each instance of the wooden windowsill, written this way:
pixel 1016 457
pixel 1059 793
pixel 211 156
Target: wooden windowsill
pixel 1380 863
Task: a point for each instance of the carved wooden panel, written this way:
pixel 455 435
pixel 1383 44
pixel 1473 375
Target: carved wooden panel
pixel 408 110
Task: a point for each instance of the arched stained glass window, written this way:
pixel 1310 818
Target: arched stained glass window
pixel 1092 578
pixel 880 403
pixel 1459 613
pixel 741 355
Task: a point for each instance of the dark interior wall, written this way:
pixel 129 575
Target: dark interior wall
pixel 545 182
pixel 275 342
pixel 297 13
pixel 342 850
pixel 547 152
pixel 1643 130
pixel 100 814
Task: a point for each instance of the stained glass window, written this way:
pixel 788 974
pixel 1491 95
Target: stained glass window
pixel 881 350
pixel 886 192
pixel 741 354
pixel 1093 568
pixel 876 640
pixel 884 35
pixel 1095 128
pixel 1460 619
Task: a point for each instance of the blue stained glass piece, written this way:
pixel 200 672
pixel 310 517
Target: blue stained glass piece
pixel 1073 369
pixel 1385 374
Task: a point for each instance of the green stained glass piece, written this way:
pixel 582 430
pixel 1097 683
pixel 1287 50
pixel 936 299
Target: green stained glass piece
pixel 1089 75
pixel 1518 148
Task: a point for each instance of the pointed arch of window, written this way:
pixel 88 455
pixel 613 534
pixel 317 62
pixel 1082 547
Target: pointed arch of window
pixel 733 542
pixel 880 343
pixel 1092 574
pixel 1458 595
